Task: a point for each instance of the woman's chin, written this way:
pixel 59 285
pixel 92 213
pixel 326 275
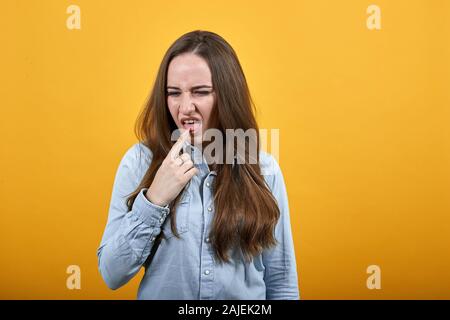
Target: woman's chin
pixel 197 137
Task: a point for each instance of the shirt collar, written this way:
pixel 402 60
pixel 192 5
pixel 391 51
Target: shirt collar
pixel 197 157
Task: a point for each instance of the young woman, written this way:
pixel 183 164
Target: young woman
pixel 201 229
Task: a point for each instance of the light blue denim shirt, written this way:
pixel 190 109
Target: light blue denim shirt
pixel 185 268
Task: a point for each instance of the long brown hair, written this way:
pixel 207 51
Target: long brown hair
pixel 245 210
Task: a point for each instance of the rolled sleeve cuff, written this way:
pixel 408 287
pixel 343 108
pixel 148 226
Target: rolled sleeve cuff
pixel 151 214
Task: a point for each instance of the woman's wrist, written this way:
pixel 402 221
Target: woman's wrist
pixel 154 200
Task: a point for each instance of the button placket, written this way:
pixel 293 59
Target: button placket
pixel 207 258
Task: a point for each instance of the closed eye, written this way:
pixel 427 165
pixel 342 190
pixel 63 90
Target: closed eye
pixel 202 92
pixel 196 92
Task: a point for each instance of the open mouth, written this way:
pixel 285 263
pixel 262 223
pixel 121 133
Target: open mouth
pixel 191 124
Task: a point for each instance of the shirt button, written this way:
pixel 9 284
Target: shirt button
pixel 207 239
pixel 206 272
pixel 209 209
pixel 153 239
pixel 208 184
pixel 161 220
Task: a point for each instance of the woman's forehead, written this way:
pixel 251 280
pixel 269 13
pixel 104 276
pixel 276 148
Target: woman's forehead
pixel 188 71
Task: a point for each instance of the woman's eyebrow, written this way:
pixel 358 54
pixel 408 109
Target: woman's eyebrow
pixel 201 86
pixel 193 88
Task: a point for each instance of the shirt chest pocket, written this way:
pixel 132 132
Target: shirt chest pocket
pixel 181 220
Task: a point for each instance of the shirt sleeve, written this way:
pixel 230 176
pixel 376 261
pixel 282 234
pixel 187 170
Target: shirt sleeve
pixel 279 262
pixel 129 235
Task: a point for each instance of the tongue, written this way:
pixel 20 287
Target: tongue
pixel 191 126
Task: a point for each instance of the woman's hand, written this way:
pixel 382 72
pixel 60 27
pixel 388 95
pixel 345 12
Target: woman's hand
pixel 173 174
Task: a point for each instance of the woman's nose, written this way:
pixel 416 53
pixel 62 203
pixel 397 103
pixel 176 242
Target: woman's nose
pixel 187 105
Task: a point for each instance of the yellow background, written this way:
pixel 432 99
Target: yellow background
pixel 363 118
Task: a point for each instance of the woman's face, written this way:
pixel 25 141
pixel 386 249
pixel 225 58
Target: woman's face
pixel 190 95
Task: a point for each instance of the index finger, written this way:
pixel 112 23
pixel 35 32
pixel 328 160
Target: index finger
pixel 176 148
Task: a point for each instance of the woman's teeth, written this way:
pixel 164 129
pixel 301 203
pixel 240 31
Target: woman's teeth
pixel 191 125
